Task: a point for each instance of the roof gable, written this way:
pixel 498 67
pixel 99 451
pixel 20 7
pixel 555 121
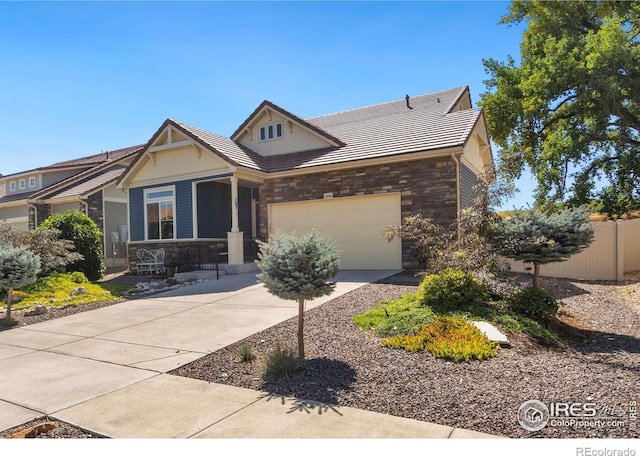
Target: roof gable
pixel 178 150
pixel 295 134
pixel 92 179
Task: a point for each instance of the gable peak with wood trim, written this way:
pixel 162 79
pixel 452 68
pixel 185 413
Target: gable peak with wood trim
pixel 271 130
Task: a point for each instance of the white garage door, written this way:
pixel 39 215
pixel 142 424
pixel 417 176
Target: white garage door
pixel 354 223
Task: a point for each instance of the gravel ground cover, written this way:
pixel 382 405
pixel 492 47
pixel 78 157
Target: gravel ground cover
pixel 349 367
pixel 61 430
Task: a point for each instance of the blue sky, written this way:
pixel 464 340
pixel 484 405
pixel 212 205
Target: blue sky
pixel 79 78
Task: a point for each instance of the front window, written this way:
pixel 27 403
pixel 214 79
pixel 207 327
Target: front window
pixel 271 132
pixel 22 184
pixel 32 182
pixel 159 213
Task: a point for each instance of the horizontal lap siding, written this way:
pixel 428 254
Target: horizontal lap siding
pixel 183 210
pixel 468 181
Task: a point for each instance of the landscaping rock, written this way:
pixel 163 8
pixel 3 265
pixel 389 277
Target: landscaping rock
pixel 34 431
pixel 78 291
pixel 37 309
pixel 492 333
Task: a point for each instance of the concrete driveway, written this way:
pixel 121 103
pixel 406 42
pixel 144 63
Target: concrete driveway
pixel 105 370
pixel 54 365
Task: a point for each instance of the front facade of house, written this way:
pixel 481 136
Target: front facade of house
pixel 347 174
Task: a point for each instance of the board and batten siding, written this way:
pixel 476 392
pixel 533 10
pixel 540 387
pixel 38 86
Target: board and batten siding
pixel 295 139
pixel 179 164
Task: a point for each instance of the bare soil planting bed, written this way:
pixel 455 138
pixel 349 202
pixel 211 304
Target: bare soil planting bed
pixel 346 366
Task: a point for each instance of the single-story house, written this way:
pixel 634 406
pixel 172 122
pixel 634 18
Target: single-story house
pixel 348 174
pixel 86 184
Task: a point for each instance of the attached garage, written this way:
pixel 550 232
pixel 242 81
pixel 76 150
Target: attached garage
pixel 354 223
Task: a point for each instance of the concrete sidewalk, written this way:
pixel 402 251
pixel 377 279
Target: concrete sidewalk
pixel 104 370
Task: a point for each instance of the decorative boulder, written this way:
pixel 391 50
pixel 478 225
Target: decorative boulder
pixel 78 291
pixel 38 309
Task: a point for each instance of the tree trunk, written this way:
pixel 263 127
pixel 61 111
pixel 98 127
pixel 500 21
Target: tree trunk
pixel 301 328
pixel 9 303
pixel 536 274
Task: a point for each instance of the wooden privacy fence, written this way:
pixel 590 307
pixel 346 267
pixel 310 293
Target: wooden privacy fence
pixel 614 251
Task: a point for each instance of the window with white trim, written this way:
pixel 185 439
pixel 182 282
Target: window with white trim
pixel 23 184
pixel 271 132
pixel 159 210
pixel 12 186
pixel 32 182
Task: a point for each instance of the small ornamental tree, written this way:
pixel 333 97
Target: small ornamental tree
pixel 18 268
pixel 298 268
pixel 54 253
pixel 536 237
pixel 87 239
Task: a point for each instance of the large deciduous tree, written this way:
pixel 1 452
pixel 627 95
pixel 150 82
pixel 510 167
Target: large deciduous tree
pixel 570 109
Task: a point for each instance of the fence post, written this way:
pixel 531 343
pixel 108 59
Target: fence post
pixel 619 250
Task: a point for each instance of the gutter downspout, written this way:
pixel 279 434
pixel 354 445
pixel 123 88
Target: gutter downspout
pixel 35 215
pixel 456 160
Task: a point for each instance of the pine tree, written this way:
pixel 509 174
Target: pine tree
pixel 298 268
pixel 536 237
pixel 18 268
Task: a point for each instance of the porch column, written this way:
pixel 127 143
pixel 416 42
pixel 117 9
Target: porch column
pixel 235 236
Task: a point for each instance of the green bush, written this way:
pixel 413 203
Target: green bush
pixel 535 303
pixel 87 239
pixel 281 362
pixel 451 290
pixel 447 337
pixel 78 277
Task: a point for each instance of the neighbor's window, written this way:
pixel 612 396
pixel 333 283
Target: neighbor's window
pixel 23 184
pixel 159 204
pixel 269 132
pixel 12 186
pixel 32 182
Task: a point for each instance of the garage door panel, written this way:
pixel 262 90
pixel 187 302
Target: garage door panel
pixel 354 223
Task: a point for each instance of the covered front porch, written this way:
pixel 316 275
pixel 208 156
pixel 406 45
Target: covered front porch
pixel 224 226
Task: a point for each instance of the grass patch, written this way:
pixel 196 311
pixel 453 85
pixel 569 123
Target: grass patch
pixel 55 291
pixel 404 316
pixel 395 316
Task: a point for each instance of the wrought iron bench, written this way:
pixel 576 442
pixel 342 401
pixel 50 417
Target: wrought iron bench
pixel 150 260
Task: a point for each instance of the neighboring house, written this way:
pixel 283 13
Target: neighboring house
pixel 349 174
pixel 86 184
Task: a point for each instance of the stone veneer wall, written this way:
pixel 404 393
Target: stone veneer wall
pixel 426 186
pixel 43 212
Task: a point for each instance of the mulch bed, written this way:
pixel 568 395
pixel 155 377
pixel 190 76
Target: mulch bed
pixel 349 367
